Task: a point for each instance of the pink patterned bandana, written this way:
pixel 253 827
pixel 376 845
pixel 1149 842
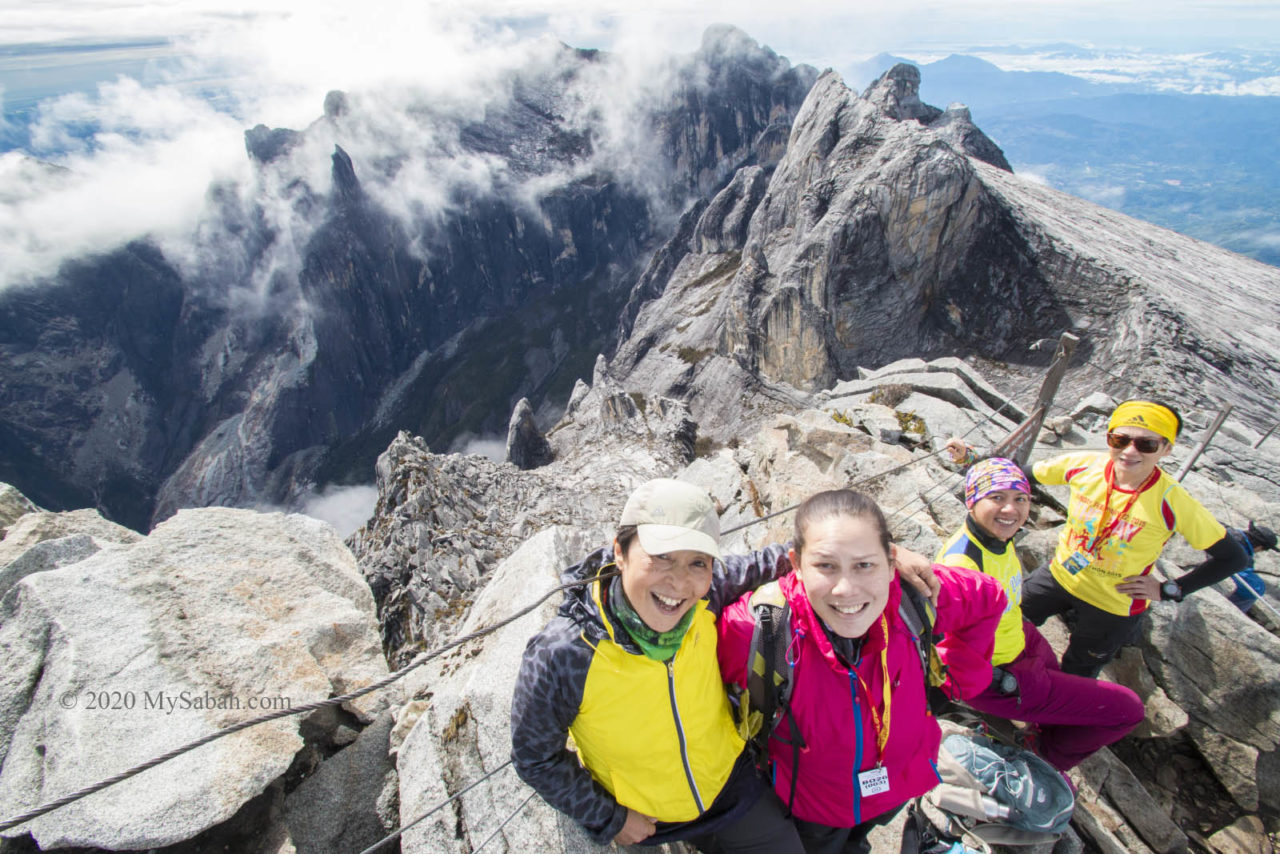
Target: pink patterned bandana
pixel 989 475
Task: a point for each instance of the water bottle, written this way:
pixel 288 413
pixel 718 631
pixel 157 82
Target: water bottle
pixel 993 809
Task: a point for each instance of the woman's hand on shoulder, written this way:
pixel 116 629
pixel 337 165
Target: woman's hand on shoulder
pixel 637 828
pixel 917 570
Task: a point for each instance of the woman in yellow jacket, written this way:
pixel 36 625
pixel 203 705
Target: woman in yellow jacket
pixel 628 669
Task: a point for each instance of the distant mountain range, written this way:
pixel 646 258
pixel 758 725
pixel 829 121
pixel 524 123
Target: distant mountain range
pixel 1193 163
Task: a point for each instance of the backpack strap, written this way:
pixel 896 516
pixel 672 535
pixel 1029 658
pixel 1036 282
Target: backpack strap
pixel 769 679
pixel 919 615
pixel 768 671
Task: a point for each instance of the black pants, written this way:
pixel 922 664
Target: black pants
pixel 1097 635
pixel 765 829
pixel 821 839
pixel 745 818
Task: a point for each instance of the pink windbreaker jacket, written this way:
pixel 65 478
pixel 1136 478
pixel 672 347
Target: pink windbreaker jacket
pixel 830 703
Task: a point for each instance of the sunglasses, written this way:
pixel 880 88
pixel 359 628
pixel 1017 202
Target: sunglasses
pixel 1144 444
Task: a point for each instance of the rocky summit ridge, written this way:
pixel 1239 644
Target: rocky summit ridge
pixel 880 236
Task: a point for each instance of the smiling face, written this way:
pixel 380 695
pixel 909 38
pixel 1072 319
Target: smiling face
pixel 1132 467
pixel 846 572
pixel 1002 513
pixel 663 587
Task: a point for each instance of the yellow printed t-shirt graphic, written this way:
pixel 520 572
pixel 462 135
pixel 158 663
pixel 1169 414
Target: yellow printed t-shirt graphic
pixel 1133 539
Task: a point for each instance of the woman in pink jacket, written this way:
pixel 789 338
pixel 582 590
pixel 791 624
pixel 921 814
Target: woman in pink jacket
pixel 869 743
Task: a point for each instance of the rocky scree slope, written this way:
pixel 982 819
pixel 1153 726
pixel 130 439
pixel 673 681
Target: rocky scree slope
pixel 317 312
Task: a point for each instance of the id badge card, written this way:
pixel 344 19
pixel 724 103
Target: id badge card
pixel 873 781
pixel 1077 562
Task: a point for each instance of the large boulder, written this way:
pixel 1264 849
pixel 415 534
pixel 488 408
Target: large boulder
pixel 12 505
pixel 1219 666
pixel 39 526
pixel 39 541
pixel 216 617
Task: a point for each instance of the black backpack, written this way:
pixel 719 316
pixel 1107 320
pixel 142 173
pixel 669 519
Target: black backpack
pixel 769 670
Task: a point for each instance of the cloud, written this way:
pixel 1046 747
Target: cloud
pixel 1108 195
pixel 135 161
pixel 124 160
pixel 493 447
pixel 346 508
pixel 1259 238
pixel 1267 86
pixel 1199 72
pixel 1035 173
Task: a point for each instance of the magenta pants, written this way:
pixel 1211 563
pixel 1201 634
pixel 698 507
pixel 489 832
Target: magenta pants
pixel 1076 715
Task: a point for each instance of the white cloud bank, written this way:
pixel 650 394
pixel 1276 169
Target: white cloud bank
pixel 127 161
pixel 144 171
pixel 346 508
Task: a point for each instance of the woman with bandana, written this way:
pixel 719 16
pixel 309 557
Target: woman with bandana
pixel 1070 716
pixel 1123 509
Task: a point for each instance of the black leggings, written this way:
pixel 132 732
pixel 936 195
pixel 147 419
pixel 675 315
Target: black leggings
pixel 1097 635
pixel 821 839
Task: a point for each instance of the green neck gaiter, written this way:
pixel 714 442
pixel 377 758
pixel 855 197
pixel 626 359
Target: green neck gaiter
pixel 660 646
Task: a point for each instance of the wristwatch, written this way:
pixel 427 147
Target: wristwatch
pixel 1171 590
pixel 1003 681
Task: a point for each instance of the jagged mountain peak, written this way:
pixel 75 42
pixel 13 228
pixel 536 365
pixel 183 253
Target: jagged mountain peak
pixel 466 253
pixel 724 43
pixel 345 182
pixel 879 236
pixel 897 92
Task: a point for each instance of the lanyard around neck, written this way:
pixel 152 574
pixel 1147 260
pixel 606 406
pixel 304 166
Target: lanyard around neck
pixel 881 724
pixel 1094 544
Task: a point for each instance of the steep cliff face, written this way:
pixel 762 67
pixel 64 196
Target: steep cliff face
pixel 866 242
pixel 312 322
pixel 891 229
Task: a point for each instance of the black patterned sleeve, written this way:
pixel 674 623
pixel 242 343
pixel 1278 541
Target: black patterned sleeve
pixel 547 697
pixel 737 574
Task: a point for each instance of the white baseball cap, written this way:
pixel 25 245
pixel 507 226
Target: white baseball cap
pixel 671 515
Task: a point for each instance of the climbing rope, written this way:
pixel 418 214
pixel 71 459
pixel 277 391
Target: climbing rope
pixel 908 464
pixel 284 713
pixel 435 809
pixel 505 822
